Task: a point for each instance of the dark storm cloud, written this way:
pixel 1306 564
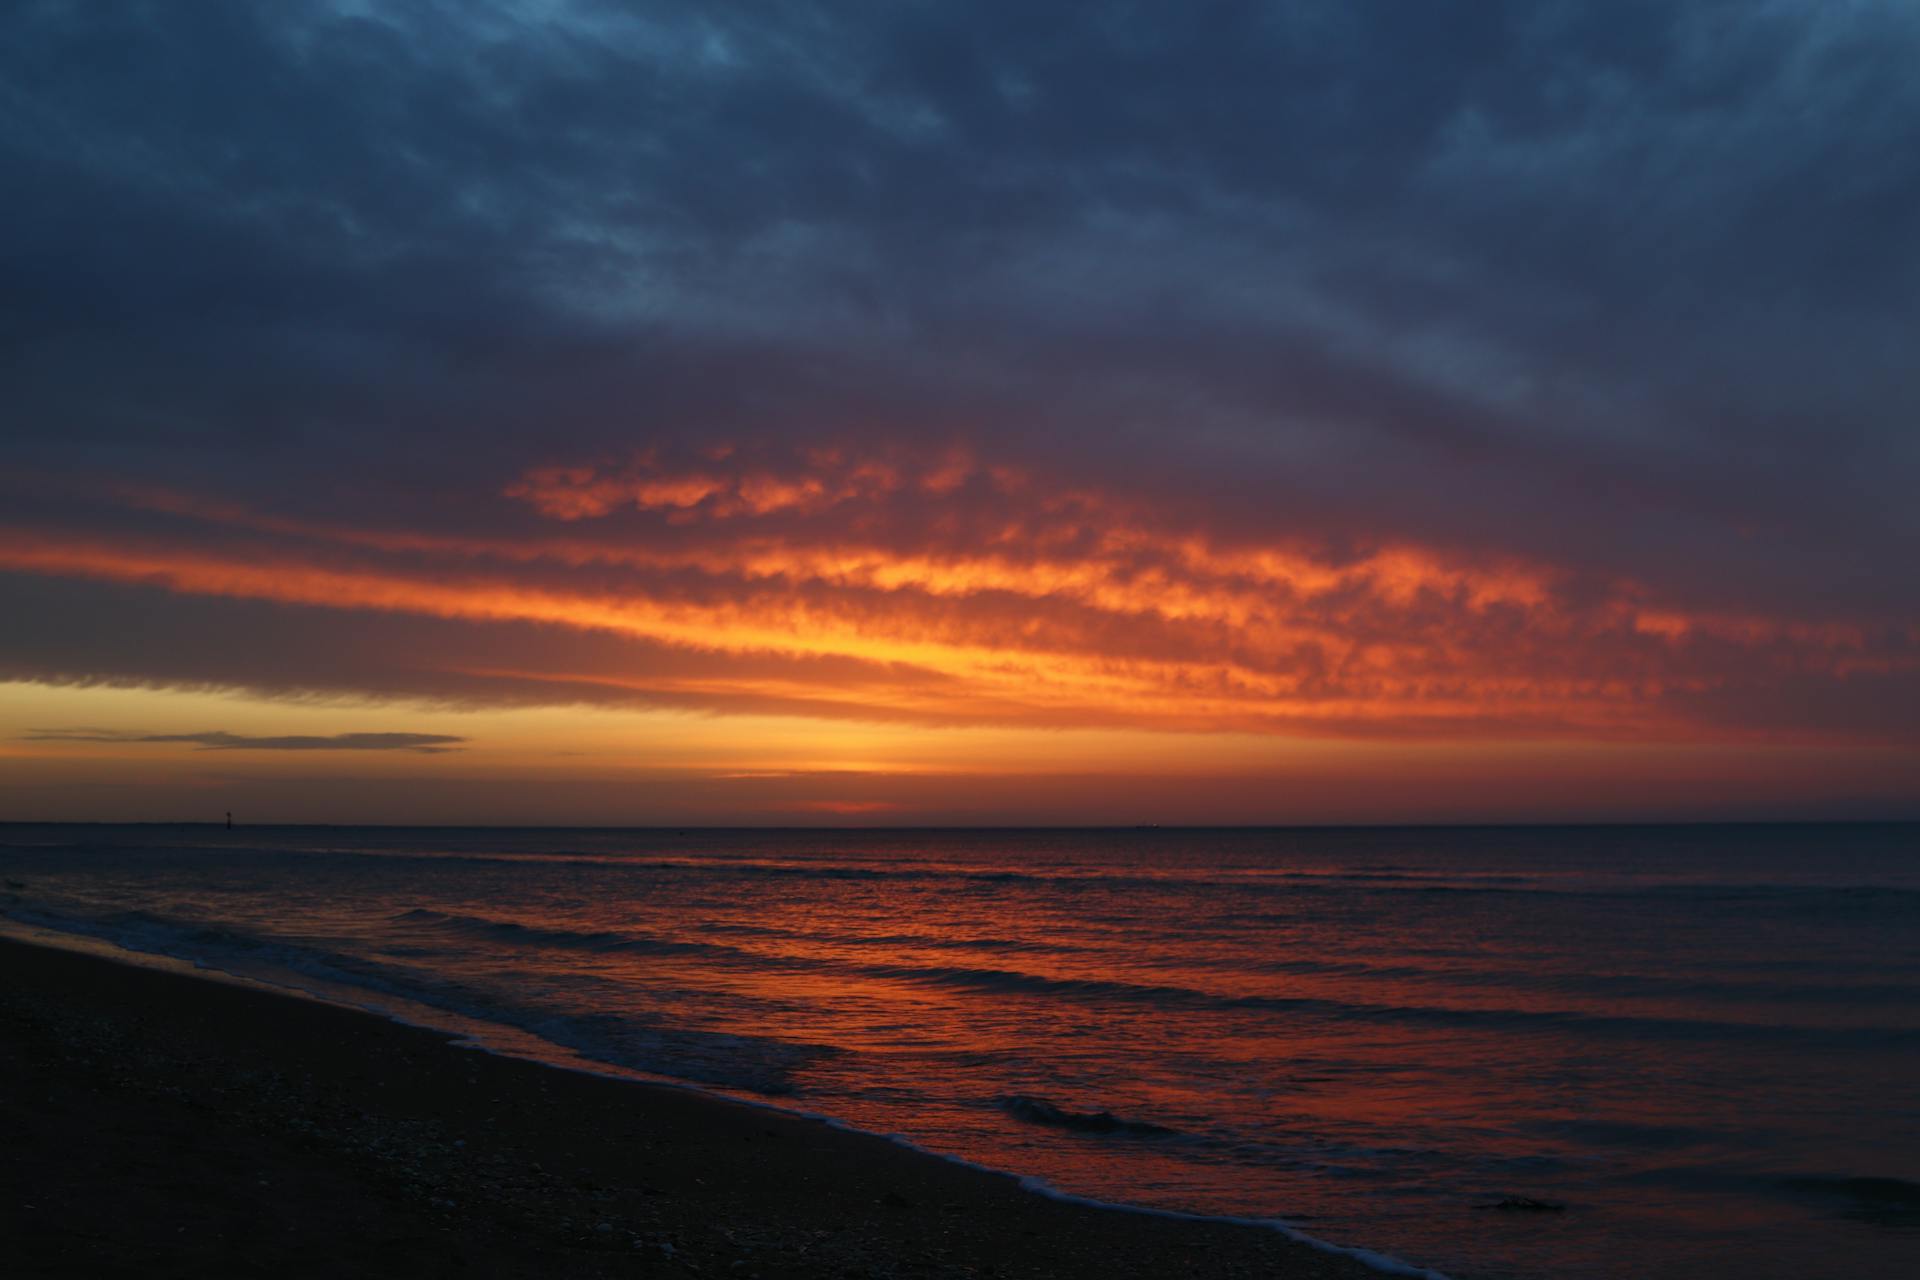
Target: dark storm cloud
pixel 1624 287
pixel 217 740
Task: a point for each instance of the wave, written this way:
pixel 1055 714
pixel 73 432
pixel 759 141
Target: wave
pixel 1010 981
pixel 1041 1112
pixel 1309 883
pixel 359 970
pixel 1651 986
pixel 757 1064
pixel 1081 989
pixel 515 933
pixel 1642 985
pixel 1078 879
pixel 926 941
pixel 1305 883
pixel 1159 995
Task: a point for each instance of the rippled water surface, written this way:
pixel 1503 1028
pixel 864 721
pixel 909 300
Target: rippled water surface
pixel 1703 1043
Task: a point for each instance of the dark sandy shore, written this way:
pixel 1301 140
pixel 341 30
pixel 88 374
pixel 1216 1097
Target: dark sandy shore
pixel 158 1124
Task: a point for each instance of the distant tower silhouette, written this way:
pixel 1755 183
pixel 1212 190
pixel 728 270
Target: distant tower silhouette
pixel 229 819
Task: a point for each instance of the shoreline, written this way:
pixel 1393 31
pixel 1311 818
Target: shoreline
pixel 172 1123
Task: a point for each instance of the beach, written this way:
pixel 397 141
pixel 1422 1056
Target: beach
pixel 158 1123
pixel 1377 1037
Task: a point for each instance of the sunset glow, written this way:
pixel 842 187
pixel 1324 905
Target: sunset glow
pixel 930 590
pixel 1251 483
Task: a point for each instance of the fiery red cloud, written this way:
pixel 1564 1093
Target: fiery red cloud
pixel 953 589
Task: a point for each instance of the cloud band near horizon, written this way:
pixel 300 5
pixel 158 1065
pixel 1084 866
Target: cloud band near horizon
pixel 939 586
pixel 218 740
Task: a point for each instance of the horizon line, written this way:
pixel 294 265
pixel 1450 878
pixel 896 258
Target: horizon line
pixel 945 826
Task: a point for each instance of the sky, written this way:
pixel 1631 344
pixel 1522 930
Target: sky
pixel 555 411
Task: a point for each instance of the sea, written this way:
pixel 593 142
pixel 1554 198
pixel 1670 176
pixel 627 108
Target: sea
pixel 1660 1051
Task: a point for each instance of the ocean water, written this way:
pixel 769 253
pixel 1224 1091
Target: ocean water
pixel 1703 1043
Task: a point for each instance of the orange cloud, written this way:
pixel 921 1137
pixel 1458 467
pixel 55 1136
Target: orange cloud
pixel 952 591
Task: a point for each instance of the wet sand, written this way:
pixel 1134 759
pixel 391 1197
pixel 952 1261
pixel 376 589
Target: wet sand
pixel 159 1124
